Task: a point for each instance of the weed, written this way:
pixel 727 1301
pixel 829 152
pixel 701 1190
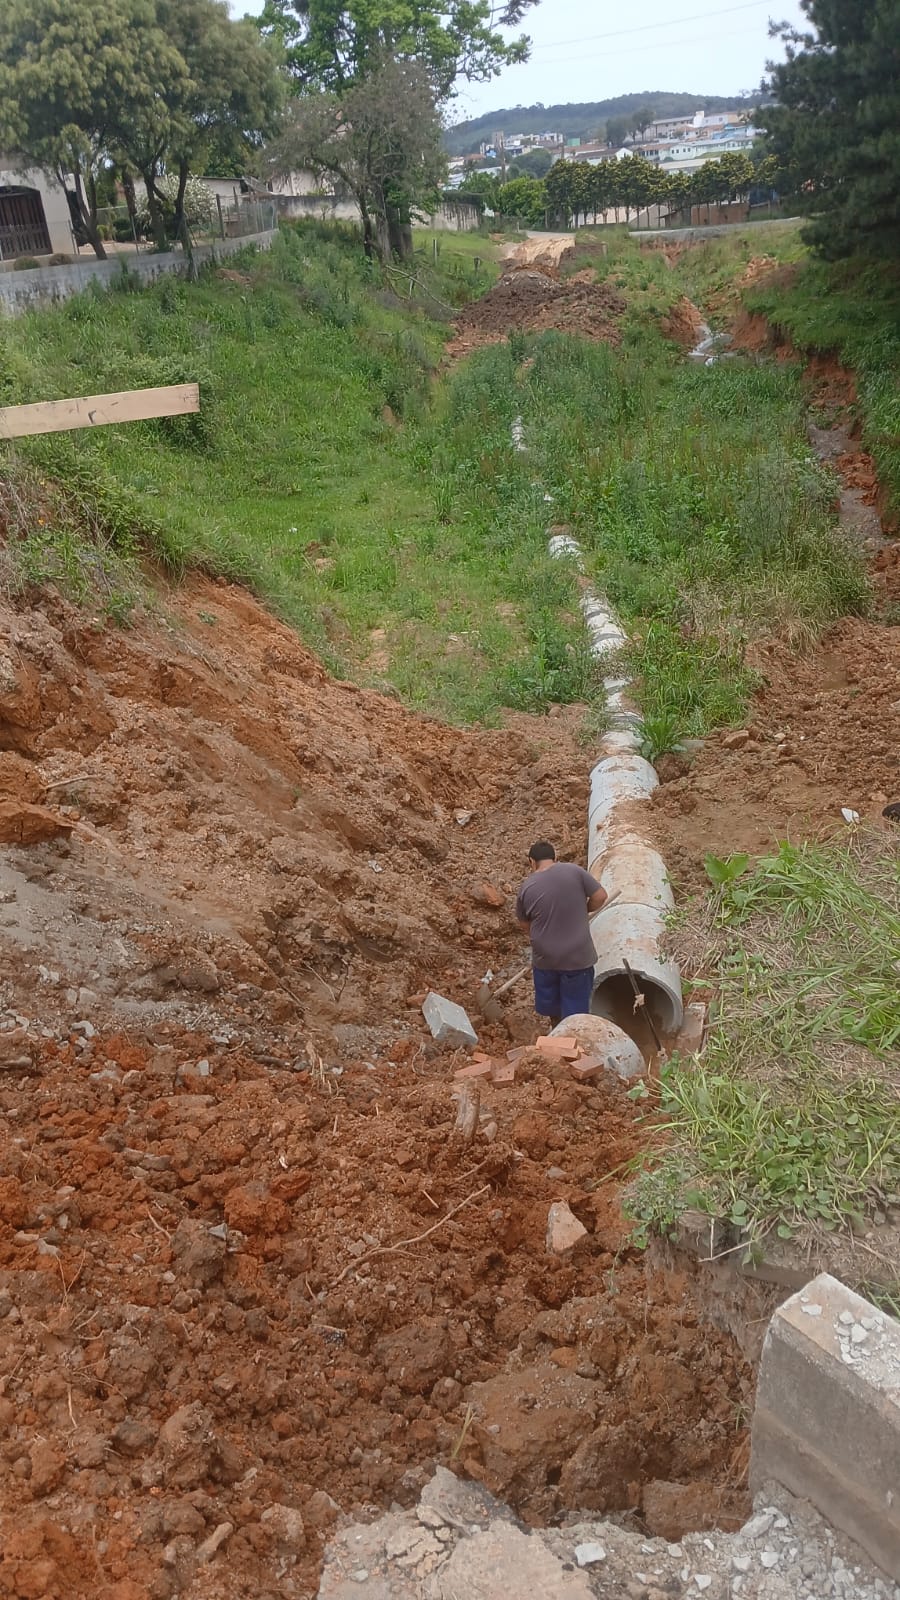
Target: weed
pixel 788 1120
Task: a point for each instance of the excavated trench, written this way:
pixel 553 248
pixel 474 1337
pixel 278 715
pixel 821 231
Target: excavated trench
pixel 244 1263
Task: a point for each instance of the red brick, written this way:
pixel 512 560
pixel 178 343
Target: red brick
pixel 504 1072
pixel 587 1067
pixel 475 1069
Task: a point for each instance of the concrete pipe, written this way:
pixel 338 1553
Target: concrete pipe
pixel 635 933
pixel 637 874
pixel 602 1038
pixel 619 778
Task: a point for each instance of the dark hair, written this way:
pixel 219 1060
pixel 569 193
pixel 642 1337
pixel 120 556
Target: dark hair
pixel 542 851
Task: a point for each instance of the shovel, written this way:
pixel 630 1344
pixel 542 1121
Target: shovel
pixel 489 1003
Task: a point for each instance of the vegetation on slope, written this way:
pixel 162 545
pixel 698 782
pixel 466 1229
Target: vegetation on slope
pixel 317 470
pixel 850 309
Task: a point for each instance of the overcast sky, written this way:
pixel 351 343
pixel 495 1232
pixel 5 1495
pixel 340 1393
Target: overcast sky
pixel 592 49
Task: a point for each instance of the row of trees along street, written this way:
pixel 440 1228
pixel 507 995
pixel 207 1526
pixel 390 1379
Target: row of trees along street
pixel 580 192
pixel 356 91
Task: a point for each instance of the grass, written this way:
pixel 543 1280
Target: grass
pixel 788 1121
pixel 850 309
pixel 325 469
pixel 693 493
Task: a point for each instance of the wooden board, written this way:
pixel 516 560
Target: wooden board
pixel 96 410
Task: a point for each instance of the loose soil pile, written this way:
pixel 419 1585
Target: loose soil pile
pixel 530 301
pixel 824 733
pixel 228 880
pixel 211 1320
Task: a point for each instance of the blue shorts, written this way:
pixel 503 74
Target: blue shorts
pixel 563 994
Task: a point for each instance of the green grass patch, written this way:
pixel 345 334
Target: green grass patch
pixel 788 1121
pixel 702 514
pixel 327 467
pixel 850 309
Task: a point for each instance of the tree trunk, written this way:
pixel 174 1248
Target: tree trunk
pixel 157 220
pixel 130 200
pixel 180 223
pixel 88 217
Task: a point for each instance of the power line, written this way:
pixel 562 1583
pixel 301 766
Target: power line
pixel 638 49
pixel 654 27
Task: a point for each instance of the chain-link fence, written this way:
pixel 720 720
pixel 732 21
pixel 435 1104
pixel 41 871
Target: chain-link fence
pixel 124 230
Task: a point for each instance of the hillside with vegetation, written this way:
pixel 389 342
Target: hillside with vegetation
pixel 585 119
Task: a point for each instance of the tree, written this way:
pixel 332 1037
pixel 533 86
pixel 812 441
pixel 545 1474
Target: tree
pixel 616 130
pixel 524 198
pixel 233 92
pixel 71 73
pixel 332 44
pixel 835 126
pixel 535 163
pixel 382 138
pixel 640 120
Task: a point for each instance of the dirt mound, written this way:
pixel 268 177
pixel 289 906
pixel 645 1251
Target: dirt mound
pixel 531 302
pixel 249 831
pixel 214 1330
pixel 247 1276
pixel 547 251
pixel 823 733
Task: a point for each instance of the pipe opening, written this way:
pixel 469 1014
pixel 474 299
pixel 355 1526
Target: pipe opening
pixel 614 999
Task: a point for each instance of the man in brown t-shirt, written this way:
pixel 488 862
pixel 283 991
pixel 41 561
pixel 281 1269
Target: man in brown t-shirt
pixel 555 905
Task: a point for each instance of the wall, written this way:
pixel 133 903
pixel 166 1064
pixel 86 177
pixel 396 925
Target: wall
pixel 450 216
pixel 53 198
pixel 40 286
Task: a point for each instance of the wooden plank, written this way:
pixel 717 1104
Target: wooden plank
pixel 98 410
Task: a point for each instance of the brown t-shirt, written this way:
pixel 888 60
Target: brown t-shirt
pixel 554 902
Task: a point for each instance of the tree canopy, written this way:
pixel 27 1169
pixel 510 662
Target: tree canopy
pixel 330 44
pixel 381 139
pixel 145 84
pixel 835 127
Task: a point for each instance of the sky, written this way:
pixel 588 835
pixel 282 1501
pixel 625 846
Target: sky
pixel 593 49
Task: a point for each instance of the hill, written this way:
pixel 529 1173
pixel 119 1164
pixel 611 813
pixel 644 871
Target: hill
pixel 578 120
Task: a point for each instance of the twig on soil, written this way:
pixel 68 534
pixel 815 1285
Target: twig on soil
pixel 74 777
pixel 318 976
pixel 69 1399
pixel 403 1244
pixel 430 1200
pixel 467 1423
pixel 158 1225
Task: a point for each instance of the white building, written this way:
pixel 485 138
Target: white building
pixel 34 213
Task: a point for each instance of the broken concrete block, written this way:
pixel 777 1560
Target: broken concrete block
pixel 827 1422
pixel 563 1229
pixel 448 1022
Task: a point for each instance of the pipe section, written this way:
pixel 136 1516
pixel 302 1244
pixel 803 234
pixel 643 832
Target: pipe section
pixel 602 1038
pixel 622 860
pixel 619 857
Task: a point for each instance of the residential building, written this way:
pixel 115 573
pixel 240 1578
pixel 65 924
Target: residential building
pixel 34 213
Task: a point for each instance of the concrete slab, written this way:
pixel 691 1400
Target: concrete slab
pixel 505 1564
pixel 448 1022
pixel 827 1417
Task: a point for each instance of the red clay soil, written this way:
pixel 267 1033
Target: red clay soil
pixel 221 1113
pixel 824 732
pixel 533 302
pixel 683 323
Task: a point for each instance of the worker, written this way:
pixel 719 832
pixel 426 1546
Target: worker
pixel 554 906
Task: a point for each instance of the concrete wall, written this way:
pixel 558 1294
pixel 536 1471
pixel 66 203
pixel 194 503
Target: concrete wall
pixel 53 199
pixel 451 216
pixel 41 286
pixel 827 1418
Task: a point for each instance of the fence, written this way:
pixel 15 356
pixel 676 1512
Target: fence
pixel 122 230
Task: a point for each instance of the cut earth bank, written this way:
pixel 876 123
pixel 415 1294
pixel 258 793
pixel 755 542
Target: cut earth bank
pixel 230 1301
pixel 211 1152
